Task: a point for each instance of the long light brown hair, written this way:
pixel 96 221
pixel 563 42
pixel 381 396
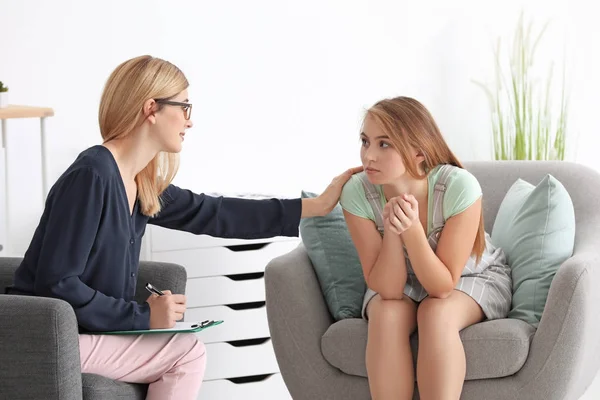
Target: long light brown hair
pixel 129 86
pixel 409 126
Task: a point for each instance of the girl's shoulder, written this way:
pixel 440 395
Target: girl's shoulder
pixel 354 199
pixel 456 176
pixel 462 189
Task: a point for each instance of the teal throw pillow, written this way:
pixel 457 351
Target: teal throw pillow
pixel 335 261
pixel 535 226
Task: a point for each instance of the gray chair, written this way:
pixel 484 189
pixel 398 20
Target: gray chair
pixel 506 359
pixel 39 343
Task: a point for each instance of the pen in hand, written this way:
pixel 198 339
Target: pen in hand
pixel 165 308
pixel 153 290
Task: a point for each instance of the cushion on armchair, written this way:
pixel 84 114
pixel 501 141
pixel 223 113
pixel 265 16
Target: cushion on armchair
pixel 493 349
pixel 335 261
pixel 535 226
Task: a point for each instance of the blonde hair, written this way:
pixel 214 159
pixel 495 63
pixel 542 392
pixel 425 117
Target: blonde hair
pixel 129 86
pixel 409 125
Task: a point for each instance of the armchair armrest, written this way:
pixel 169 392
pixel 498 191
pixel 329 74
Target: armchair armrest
pixel 39 347
pixel 566 341
pixel 298 317
pixel 39 337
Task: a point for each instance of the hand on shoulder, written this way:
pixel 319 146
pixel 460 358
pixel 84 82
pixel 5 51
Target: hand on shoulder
pixel 326 201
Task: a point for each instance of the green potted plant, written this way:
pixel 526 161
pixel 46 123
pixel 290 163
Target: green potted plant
pixel 528 112
pixel 3 95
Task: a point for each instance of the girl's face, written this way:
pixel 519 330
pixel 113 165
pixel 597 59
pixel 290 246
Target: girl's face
pixel 382 162
pixel 172 121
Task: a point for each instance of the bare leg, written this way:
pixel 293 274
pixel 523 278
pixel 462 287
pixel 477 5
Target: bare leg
pixel 389 359
pixel 441 364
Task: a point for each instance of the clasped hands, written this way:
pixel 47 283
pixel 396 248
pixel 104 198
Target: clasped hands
pixel 400 214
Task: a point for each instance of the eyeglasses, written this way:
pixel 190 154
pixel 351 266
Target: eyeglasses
pixel 186 107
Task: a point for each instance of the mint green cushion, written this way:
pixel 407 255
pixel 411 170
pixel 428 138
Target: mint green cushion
pixel 335 261
pixel 535 226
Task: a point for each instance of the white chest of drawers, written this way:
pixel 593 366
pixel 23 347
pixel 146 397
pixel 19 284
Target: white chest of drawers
pixel 226 281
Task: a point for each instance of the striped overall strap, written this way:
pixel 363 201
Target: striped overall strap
pixel 438 196
pixel 374 200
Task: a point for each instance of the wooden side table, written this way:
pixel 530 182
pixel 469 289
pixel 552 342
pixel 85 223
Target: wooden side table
pixel 10 112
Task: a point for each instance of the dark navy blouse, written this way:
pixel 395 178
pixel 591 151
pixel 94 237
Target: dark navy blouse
pixel 86 247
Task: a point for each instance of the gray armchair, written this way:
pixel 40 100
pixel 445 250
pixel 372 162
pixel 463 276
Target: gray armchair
pixel 39 342
pixel 506 359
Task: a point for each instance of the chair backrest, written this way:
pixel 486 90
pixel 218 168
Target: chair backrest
pixel 582 183
pixel 8 265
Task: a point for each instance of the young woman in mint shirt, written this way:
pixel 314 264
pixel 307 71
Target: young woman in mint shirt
pixel 87 245
pixel 415 217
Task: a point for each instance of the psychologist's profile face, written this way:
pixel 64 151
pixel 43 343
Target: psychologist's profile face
pixel 173 120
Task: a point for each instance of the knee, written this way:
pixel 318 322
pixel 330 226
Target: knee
pixel 198 350
pixel 392 314
pixel 195 352
pixel 433 314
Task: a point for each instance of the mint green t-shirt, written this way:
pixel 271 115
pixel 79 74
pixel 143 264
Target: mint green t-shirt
pixel 462 190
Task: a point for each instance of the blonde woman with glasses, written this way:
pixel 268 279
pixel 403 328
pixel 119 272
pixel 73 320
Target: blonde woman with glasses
pixel 86 248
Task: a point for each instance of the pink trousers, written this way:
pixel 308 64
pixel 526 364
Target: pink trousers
pixel 173 365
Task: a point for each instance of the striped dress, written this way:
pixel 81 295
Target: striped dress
pixel 487 282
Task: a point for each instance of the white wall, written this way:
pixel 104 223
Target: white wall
pixel 278 87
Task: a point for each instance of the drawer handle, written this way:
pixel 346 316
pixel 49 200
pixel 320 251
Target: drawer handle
pixel 248 342
pixel 246 306
pixel 247 247
pixel 249 379
pixel 246 277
